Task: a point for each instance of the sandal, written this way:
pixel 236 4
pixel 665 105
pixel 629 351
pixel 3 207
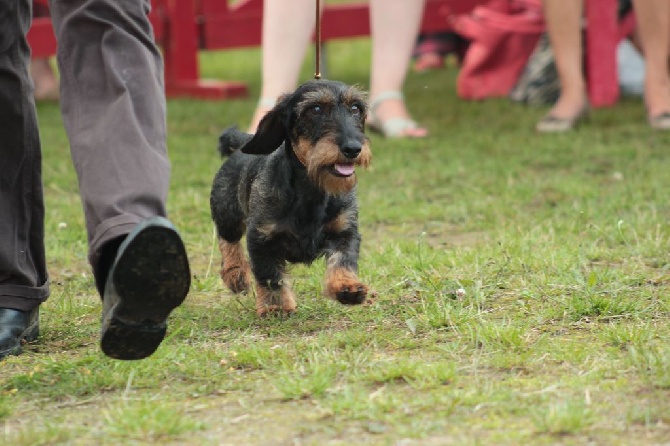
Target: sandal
pixel 554 124
pixel 660 122
pixel 393 127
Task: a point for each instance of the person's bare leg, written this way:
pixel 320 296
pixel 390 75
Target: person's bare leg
pixel 563 19
pixel 287 28
pixel 394 27
pixel 44 78
pixel 653 18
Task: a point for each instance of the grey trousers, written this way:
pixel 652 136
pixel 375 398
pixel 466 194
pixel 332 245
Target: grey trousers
pixel 113 107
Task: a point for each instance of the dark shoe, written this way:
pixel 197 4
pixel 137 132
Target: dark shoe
pixel 16 326
pixel 149 278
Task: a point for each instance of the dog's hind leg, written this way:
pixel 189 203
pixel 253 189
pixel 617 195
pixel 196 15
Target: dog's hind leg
pixel 235 270
pixel 228 219
pixel 273 292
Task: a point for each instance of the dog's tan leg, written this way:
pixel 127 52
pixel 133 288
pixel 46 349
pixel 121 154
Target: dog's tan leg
pixel 270 301
pixel 235 270
pixel 342 284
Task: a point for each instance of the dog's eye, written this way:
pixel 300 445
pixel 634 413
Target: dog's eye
pixel 316 110
pixel 355 109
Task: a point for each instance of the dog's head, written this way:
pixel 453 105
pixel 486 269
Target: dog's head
pixel 322 124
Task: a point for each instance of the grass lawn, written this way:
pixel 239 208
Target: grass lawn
pixel 562 335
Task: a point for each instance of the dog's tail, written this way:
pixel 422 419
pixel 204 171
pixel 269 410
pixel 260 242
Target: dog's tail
pixel 232 139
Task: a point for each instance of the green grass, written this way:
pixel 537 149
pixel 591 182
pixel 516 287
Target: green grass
pixel 521 293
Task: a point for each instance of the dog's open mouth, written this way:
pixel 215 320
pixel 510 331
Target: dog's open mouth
pixel 343 169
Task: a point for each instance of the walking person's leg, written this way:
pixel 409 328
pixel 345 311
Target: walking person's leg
pixel 564 28
pixel 394 28
pixel 23 275
pixel 114 111
pixel 43 75
pixel 283 49
pixel 653 19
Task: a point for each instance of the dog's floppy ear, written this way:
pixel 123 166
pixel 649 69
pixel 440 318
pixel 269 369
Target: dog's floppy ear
pixel 271 130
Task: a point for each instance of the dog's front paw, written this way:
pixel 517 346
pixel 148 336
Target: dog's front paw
pixel 352 295
pixel 345 287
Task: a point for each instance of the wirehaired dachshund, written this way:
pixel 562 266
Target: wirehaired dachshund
pixel 291 188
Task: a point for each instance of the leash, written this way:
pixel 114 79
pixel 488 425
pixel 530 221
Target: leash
pixel 317 61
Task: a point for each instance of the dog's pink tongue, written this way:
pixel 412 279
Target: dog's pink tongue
pixel 344 169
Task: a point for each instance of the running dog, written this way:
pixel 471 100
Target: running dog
pixel 291 188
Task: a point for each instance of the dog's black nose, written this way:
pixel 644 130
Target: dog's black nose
pixel 351 148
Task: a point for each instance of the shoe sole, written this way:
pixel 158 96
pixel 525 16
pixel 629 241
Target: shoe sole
pixel 151 278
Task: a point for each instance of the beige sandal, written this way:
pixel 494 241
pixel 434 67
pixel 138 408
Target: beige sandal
pixel 660 122
pixel 554 124
pixel 394 127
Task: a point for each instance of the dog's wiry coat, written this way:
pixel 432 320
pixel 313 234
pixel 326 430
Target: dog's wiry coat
pixel 291 188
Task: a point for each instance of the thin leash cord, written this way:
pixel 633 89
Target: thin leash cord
pixel 317 73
